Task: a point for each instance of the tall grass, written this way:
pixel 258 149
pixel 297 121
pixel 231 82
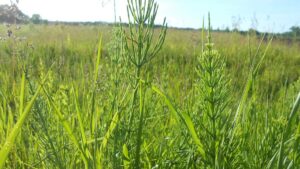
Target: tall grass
pixel 10 140
pixel 138 97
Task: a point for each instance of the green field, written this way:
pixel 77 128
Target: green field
pixel 72 97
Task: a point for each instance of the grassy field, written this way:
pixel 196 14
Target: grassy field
pixel 71 98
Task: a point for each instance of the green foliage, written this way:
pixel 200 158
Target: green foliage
pixel 36 19
pixel 140 50
pixel 213 97
pixel 237 110
pixel 295 30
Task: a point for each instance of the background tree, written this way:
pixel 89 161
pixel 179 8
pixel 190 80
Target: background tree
pixel 36 19
pixel 295 30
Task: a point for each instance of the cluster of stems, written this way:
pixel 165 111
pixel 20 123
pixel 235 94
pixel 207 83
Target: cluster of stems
pixel 213 99
pixel 139 50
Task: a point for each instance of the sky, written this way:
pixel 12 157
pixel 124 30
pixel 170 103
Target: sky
pixel 263 15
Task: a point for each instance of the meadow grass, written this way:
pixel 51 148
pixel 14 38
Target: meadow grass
pixel 146 97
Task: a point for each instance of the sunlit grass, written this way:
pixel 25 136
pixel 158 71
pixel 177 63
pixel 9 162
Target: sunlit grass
pixel 72 99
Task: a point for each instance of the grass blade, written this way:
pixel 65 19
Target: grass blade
pixel 18 126
pixel 79 118
pixel 126 160
pixel 185 118
pixel 68 129
pixel 250 80
pixel 98 60
pixel 109 132
pixel 105 139
pixel 22 93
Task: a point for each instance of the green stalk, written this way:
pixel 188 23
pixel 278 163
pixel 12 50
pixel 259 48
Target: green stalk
pixel 22 93
pixel 140 128
pixel 93 92
pixel 135 94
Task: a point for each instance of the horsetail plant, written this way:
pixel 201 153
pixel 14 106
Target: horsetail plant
pixel 139 44
pixel 213 89
pixel 140 50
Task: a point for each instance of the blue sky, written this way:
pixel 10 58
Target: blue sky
pixel 264 15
